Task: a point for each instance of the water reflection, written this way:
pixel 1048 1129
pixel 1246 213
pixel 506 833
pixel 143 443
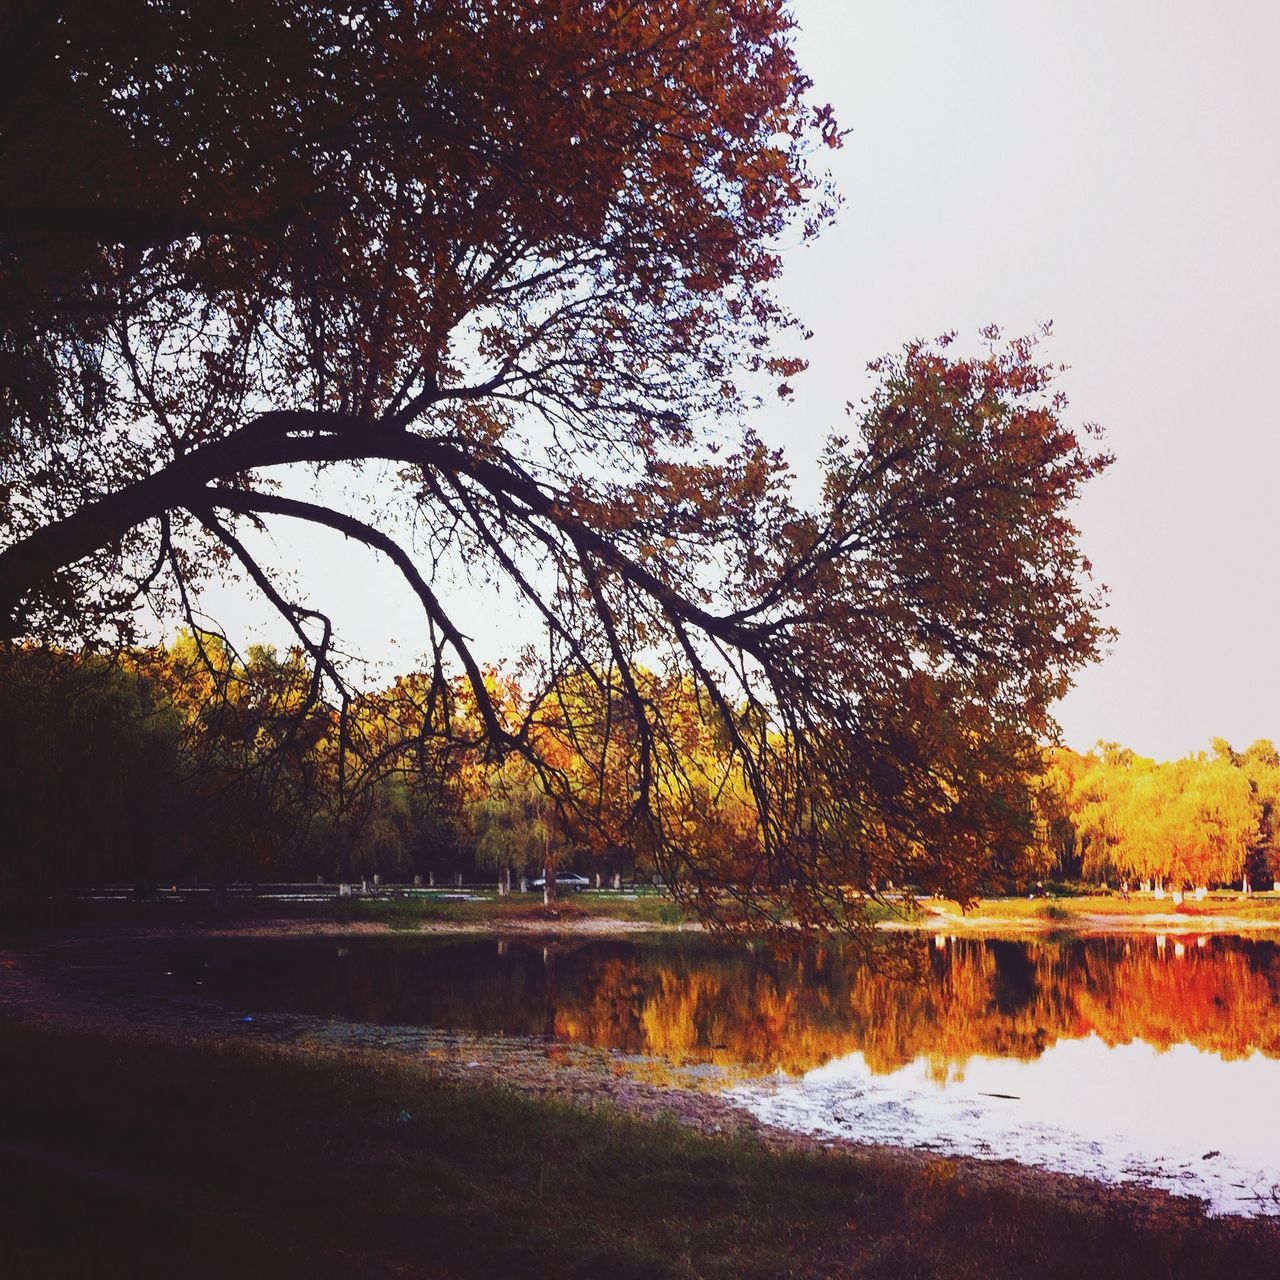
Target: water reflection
pixel 689 998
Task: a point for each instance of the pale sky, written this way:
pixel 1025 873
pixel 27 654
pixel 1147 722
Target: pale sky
pixel 1112 167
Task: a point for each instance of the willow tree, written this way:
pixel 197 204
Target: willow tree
pixel 512 263
pixel 513 825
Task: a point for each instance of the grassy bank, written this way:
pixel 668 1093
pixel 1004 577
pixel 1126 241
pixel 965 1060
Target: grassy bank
pixel 648 908
pixel 651 908
pixel 127 1158
pixel 1243 910
pixel 415 911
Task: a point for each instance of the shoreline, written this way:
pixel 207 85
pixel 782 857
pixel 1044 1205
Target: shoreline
pixel 562 923
pixel 637 1084
pixel 1089 923
pixel 642 1086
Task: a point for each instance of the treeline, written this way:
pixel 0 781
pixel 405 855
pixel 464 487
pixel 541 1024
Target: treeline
pixel 187 762
pixel 191 762
pixel 1208 819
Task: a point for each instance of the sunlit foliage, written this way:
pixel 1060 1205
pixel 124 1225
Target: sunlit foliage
pixel 489 290
pixel 1199 821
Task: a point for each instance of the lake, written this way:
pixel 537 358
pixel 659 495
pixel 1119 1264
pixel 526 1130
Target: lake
pixel 1139 1057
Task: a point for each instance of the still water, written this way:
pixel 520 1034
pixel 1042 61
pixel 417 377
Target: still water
pixel 1142 1057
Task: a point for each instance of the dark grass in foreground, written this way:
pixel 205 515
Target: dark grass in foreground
pixel 127 1158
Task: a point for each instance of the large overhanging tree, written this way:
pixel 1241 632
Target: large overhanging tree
pixel 514 260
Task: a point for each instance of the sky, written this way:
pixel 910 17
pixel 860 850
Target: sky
pixel 1112 168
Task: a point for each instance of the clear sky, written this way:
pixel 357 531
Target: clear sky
pixel 1112 166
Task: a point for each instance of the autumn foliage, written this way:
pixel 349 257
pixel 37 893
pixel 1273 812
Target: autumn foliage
pixel 488 289
pixel 1207 819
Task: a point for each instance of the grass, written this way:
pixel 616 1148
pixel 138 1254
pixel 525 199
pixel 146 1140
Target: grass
pixel 407 913
pixel 648 907
pixel 1056 912
pixel 1254 908
pixel 126 1157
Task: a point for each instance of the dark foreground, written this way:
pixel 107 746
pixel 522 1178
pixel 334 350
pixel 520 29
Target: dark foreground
pixel 139 1158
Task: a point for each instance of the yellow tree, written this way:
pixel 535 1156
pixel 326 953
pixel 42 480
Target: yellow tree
pixel 1221 815
pixel 511 824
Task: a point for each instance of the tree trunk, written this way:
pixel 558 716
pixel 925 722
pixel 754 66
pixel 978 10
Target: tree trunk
pixel 548 871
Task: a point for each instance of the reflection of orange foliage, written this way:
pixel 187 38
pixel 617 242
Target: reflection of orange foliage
pixel 742 1007
pixel 1214 998
pixel 981 998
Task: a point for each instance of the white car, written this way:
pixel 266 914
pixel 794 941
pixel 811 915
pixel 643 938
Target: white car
pixel 564 880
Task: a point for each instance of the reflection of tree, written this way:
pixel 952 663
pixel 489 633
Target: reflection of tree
pixel 549 992
pixel 1015 977
pixel 1215 997
pixel 696 1000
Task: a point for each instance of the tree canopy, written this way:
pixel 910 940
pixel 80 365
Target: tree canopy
pixel 512 264
pixel 1205 819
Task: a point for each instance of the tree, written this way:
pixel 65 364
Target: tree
pixel 253 753
pixel 507 266
pixel 1261 765
pixel 1191 821
pixel 91 777
pixel 1057 850
pixel 513 824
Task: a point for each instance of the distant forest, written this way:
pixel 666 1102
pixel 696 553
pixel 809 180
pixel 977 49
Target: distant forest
pixel 189 762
